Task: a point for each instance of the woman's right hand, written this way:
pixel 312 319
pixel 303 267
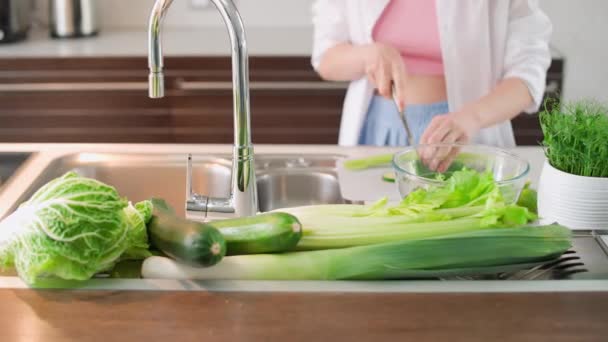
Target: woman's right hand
pixel 384 67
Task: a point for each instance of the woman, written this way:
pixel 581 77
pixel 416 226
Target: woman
pixel 461 69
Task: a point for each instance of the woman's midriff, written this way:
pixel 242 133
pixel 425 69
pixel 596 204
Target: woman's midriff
pixel 425 89
pixel 411 27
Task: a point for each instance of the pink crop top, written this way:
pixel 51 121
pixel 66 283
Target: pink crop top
pixel 411 27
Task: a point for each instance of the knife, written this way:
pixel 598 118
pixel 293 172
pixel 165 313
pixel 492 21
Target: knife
pixel 410 140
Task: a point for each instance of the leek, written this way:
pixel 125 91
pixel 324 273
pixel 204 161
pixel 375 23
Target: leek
pixel 461 253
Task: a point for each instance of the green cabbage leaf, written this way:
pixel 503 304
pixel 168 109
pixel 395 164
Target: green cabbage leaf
pixel 73 228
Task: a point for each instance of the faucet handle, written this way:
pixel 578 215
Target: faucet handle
pixel 189 177
pixel 196 205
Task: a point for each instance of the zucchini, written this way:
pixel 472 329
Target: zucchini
pixel 192 243
pixel 389 177
pixel 265 233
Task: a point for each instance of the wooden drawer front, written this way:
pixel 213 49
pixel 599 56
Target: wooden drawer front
pixel 105 100
pixel 277 116
pixel 63 116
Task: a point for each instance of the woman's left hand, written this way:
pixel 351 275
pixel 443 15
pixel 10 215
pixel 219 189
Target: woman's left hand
pixel 456 127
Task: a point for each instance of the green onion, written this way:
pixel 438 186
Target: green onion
pixel 576 137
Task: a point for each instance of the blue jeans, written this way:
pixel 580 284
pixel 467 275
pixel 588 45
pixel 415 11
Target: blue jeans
pixel 383 126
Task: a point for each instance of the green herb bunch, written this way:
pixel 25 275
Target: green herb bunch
pixel 576 137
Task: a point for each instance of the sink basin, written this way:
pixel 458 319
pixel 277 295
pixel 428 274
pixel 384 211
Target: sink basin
pixel 290 188
pixel 283 181
pixel 9 163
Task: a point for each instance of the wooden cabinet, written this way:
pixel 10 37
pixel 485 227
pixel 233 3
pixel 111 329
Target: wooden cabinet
pixel 526 126
pixel 105 100
pixel 79 100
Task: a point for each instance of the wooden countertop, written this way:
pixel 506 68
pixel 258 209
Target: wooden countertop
pixel 52 316
pixel 108 316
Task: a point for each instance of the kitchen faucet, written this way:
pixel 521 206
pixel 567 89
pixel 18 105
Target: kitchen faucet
pixel 243 195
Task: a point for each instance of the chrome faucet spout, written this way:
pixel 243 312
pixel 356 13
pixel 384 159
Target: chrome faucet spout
pixel 155 53
pixel 243 197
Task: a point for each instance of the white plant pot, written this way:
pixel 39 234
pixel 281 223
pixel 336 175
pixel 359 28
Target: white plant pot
pixel 573 201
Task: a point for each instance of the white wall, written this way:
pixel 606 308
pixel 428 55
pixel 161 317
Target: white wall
pixel 580 33
pixel 133 14
pixel 580 28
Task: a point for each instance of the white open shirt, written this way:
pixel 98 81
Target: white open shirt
pixel 482 42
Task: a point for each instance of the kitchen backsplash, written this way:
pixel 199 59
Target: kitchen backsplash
pixel 133 14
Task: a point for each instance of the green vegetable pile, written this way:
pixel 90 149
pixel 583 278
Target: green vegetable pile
pixel 479 252
pixel 461 228
pixel 576 137
pixel 73 228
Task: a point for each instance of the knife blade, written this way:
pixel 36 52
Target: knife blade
pixel 410 139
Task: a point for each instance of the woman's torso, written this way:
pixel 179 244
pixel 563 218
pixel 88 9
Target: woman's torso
pixel 470 71
pixel 410 26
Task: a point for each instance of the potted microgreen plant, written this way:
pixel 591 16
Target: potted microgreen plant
pixel 573 188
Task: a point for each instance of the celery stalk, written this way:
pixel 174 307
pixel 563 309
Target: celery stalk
pixel 368 162
pixel 413 231
pixel 469 201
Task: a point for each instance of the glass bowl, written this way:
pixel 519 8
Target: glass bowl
pixel 509 170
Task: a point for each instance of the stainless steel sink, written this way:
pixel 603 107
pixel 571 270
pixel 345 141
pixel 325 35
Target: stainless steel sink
pixel 289 188
pixel 9 163
pixel 294 180
pixel 283 181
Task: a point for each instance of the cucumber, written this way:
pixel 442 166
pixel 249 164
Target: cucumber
pixel 265 233
pixel 389 177
pixel 192 243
